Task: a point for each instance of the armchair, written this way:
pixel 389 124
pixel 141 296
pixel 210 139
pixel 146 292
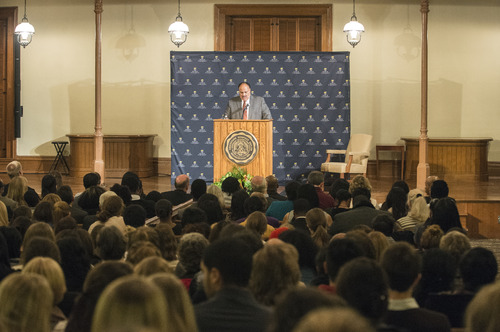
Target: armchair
pixel 356 157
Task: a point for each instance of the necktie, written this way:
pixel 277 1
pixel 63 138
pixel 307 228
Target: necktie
pixel 244 110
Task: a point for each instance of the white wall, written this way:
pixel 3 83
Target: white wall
pixel 58 68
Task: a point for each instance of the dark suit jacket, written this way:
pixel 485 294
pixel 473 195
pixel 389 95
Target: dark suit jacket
pixel 361 214
pixel 176 196
pixel 231 309
pixel 257 109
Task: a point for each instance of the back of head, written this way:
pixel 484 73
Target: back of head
pixel 40 247
pixel 131 302
pixel 259 184
pixel 478 267
pixel 482 312
pixel 118 189
pixel 132 181
pixel 112 206
pixel 134 215
pixel 110 243
pixel 403 185
pixel 39 229
pixel 27 302
pixel 66 194
pixel 252 204
pixel 232 258
pixel 438 271
pixel 163 209
pixel 272 184
pixel 445 214
pixel 51 270
pixel 49 185
pixel 419 209
pixel 14 239
pixel 14 169
pixel 89 199
pixel 334 320
pixel 291 190
pixel 402 264
pixel 91 179
pixel 275 270
pixel 397 200
pixel 315 178
pixel 193 215
pixel 337 185
pixel 191 249
pixel 198 188
pixel 431 237
pixel 301 206
pixel 308 192
pixel 359 181
pixel 257 222
pixel 384 223
pixel 151 265
pixel 339 252
pixel 362 283
pixel 439 189
pixel 182 182
pixel 455 243
pixel 230 185
pixel 210 204
pixel 304 244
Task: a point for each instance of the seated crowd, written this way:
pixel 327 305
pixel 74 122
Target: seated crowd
pixel 204 258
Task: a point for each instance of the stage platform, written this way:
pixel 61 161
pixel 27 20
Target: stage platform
pixel 478 201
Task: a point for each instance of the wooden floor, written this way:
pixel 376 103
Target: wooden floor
pixel 478 201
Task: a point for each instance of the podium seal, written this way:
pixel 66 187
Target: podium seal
pixel 241 147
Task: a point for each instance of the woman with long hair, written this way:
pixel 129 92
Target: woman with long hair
pixel 17 188
pixel 111 214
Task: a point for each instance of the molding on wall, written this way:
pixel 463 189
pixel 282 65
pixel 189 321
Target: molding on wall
pixel 494 168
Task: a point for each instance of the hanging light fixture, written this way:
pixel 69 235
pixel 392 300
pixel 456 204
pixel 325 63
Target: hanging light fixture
pixel 178 30
pixel 24 30
pixel 354 28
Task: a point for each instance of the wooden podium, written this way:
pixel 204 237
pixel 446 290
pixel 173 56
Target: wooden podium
pixel 262 164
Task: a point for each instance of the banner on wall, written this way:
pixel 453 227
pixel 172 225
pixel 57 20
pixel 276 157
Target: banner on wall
pixel 308 94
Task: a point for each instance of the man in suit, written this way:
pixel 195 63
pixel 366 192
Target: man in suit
pixel 402 264
pixel 247 106
pixel 226 266
pixel 180 194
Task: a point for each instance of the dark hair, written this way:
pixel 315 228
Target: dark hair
pixel 308 192
pixel 22 211
pixel 397 200
pixel 252 204
pixel 210 204
pixel 301 206
pixel 361 191
pixel 402 264
pixel 89 199
pixel 132 181
pixel 297 303
pixel 111 207
pixel 238 200
pixel 14 240
pixel 343 195
pixel 304 245
pixel 338 184
pixel 154 196
pixel 291 190
pixel 445 214
pixel 478 267
pixel 402 185
pixel 110 243
pixel 91 179
pixel 193 215
pixel 439 189
pixel 22 224
pixel 230 185
pixel 67 222
pixel 244 83
pixel 66 194
pixel 339 252
pixel 31 198
pixel 198 188
pixel 75 262
pixel 163 208
pixel 40 247
pixel 123 192
pixel 49 185
pixel 363 284
pixel 384 223
pixel 43 212
pixel 134 215
pixel 233 258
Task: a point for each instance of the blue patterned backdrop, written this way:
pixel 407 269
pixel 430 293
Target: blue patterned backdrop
pixel 308 94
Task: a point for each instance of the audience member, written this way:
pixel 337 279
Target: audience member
pixel 428 184
pixel 418 212
pixel 307 253
pixel 334 320
pixel 17 187
pixel 111 214
pixel 5 266
pixel 237 205
pixel 66 194
pixel 316 224
pixel 27 302
pixel 60 210
pixel 134 215
pixel 278 209
pixel 445 214
pixel 227 266
pixel 482 312
pixel 402 265
pixel 10 204
pixel 191 248
pixel 396 203
pixel 216 191
pixel 110 243
pixel 151 265
pixel 132 181
pixel 272 189
pixel 229 186
pixel 131 303
pixel 210 204
pixel 456 244
pixel 431 237
pixel 180 194
pixel 380 243
pixel 49 185
pixel 317 179
pixel 343 201
pixel 439 189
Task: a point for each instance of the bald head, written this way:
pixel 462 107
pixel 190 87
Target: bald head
pixel 259 184
pixel 428 183
pixel 182 182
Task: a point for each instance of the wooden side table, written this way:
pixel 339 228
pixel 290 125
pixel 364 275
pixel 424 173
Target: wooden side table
pixel 398 148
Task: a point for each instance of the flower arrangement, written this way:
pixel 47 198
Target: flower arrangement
pixel 239 173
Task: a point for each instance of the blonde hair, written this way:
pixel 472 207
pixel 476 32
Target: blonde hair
pixel 130 303
pixel 39 229
pixel 455 243
pixel 360 181
pixel 431 237
pixel 214 190
pixel 52 199
pixel 27 302
pixel 257 222
pixel 51 270
pixel 18 186
pixel 380 243
pixel 180 313
pixel 482 312
pixel 61 209
pixel 151 265
pixel 334 320
pixel 275 270
pixel 4 216
pixel 316 221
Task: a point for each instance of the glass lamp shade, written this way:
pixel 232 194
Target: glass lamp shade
pixel 354 30
pixel 178 32
pixel 24 32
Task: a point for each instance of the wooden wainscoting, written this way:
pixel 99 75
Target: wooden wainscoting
pixel 481 218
